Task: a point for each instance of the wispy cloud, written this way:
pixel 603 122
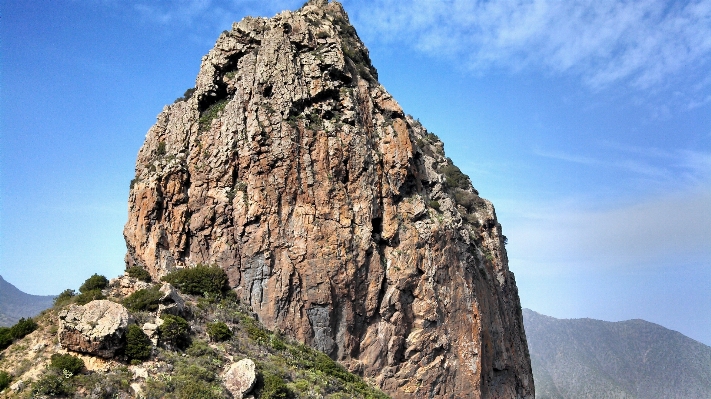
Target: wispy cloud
pixel 666 230
pixel 642 43
pixel 664 167
pixel 192 13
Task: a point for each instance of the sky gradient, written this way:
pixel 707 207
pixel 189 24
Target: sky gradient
pixel 587 123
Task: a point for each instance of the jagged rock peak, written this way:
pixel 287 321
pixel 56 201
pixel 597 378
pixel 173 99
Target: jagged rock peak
pixel 337 217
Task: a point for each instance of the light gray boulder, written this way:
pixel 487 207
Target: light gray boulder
pixel 97 328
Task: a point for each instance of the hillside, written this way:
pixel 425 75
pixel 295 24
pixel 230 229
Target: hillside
pixel 128 338
pixel 15 304
pixel 586 358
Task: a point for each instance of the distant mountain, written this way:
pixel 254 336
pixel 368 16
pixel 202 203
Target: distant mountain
pixel 15 304
pixel 586 358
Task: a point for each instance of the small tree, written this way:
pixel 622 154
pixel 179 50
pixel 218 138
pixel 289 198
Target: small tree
pixel 66 363
pixel 139 273
pixel 145 299
pixel 22 328
pixel 88 296
pixel 174 331
pixel 95 282
pixel 4 380
pixel 218 331
pixel 200 280
pixel 138 344
pixel 65 297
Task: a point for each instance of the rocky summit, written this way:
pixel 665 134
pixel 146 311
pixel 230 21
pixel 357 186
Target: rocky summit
pixel 337 217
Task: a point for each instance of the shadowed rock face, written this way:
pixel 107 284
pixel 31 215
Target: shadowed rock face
pixel 336 216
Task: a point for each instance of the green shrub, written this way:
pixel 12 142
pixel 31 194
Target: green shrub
pixel 95 282
pixel 64 298
pixel 70 364
pixel 4 380
pixel 454 176
pixel 199 280
pixel 174 331
pixel 52 383
pixel 139 273
pixel 434 205
pixel 5 338
pixel 276 342
pixel 22 328
pixel 218 331
pixel 146 299
pixel 211 113
pixel 161 150
pixel 186 96
pixel 272 386
pixel 200 348
pixel 138 345
pixel 88 296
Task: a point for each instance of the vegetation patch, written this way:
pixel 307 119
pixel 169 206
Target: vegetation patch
pixel 138 344
pixel 5 380
pixel 199 280
pixel 95 282
pixel 454 176
pixel 175 331
pixel 186 96
pixel 18 331
pixel 144 300
pixel 139 273
pixel 67 296
pixel 211 113
pixel 218 331
pixel 67 364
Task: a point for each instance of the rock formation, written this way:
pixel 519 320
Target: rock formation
pixel 97 328
pixel 336 216
pixel 240 378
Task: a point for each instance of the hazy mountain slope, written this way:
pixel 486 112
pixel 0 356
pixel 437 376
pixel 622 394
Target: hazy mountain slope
pixel 15 304
pixel 586 358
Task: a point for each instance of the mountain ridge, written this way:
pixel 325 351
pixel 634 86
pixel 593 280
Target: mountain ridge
pixel 16 304
pixel 588 358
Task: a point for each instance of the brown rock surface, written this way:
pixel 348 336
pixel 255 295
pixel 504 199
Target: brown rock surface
pixel 336 216
pixel 97 328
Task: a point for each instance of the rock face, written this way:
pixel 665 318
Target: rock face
pixel 97 328
pixel 240 378
pixel 336 216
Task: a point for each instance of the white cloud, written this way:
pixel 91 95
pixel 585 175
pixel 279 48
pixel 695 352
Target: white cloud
pixel 667 230
pixel 670 169
pixel 642 43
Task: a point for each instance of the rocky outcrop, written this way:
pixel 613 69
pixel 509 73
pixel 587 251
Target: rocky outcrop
pixel 336 216
pixel 97 328
pixel 240 378
pixel 170 301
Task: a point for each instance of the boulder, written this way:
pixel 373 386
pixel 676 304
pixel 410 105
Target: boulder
pixel 97 328
pixel 170 302
pixel 240 378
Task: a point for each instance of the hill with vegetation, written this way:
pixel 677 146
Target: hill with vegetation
pixel 586 358
pixel 178 343
pixel 15 304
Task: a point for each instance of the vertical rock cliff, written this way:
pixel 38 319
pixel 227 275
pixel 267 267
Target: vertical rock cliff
pixel 336 216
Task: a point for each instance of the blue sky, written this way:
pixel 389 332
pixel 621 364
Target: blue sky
pixel 587 123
